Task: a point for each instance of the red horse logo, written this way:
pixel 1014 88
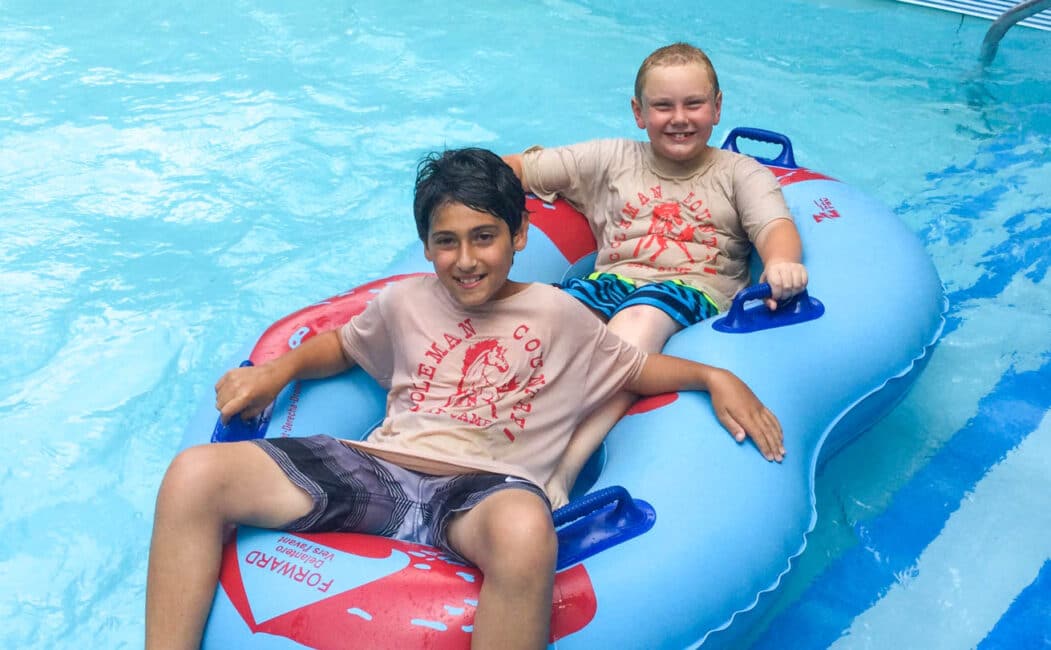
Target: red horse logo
pixel 486 374
pixel 667 225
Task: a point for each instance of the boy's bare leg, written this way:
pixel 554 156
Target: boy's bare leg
pixel 205 491
pixel 648 329
pixel 511 538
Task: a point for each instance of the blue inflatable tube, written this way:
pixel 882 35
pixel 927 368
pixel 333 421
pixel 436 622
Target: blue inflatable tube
pixel 675 532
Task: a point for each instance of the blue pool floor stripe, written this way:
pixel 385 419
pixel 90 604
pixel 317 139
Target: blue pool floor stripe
pixel 1025 246
pixel 1027 623
pixel 891 542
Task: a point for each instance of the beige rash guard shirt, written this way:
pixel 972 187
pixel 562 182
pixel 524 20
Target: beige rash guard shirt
pixel 653 223
pixel 498 388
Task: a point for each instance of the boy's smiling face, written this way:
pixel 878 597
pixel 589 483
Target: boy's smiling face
pixel 679 107
pixel 472 253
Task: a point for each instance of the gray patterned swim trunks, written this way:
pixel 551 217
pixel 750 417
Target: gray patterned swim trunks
pixel 356 492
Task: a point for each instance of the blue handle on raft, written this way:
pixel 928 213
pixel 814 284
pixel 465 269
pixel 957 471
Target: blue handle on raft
pixel 240 429
pixel 739 320
pixel 598 521
pixel 785 159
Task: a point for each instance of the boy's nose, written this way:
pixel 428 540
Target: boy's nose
pixel 465 258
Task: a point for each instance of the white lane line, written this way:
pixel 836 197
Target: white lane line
pixel 991 549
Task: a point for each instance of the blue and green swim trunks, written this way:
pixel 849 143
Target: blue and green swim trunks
pixel 608 293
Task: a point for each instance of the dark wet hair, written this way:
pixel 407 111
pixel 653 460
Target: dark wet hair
pixel 477 178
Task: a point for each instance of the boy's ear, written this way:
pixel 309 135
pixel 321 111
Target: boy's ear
pixel 718 106
pixel 520 237
pixel 427 252
pixel 636 110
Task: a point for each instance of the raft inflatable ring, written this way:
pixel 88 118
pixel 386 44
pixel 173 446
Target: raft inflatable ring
pixel 675 533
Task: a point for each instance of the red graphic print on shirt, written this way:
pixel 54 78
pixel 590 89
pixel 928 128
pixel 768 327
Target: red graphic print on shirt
pixel 667 224
pixel 671 223
pixel 486 375
pixel 495 379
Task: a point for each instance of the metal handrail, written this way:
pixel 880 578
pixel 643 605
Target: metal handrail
pixel 1019 12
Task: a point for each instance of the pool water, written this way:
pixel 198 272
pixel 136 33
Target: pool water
pixel 176 176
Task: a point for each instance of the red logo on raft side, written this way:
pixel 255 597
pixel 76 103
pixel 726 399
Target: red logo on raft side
pixel 428 603
pixel 787 176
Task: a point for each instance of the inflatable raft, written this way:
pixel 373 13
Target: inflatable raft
pixel 674 531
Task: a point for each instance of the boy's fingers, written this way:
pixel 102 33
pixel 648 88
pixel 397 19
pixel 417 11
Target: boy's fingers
pixel 732 425
pixel 772 431
pixel 762 441
pixel 744 416
pixel 766 433
pixel 227 410
pixel 231 402
pixel 785 282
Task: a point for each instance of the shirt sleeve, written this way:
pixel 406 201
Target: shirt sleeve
pixel 366 339
pixel 569 172
pixel 613 363
pixel 758 196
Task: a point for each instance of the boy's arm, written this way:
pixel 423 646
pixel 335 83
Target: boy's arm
pixel 736 406
pixel 514 161
pixel 250 389
pixel 582 444
pixel 552 172
pixel 781 250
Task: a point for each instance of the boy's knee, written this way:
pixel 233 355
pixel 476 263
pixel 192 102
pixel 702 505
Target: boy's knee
pixel 645 327
pixel 194 473
pixel 523 533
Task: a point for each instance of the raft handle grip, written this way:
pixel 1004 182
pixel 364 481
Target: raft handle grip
pixel 598 521
pixel 240 429
pixel 785 159
pixel 739 320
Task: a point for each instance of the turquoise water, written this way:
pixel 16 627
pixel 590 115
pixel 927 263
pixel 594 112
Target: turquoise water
pixel 177 176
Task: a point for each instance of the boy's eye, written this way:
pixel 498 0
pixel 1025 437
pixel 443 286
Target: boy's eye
pixel 444 242
pixel 484 237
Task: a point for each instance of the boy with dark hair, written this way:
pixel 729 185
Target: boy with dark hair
pixel 675 220
pixel 509 369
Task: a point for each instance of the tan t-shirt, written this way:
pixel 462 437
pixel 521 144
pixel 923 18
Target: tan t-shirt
pixel 499 388
pixel 652 223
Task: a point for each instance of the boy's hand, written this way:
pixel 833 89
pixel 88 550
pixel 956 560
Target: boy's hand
pixel 785 278
pixel 247 390
pixel 741 412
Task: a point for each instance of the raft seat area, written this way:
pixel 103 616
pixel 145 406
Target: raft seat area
pixel 988 9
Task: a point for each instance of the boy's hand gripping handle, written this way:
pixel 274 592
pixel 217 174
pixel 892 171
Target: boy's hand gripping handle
pixel 739 320
pixel 240 429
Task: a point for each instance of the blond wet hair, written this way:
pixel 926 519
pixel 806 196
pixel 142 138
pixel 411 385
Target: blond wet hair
pixel 675 54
